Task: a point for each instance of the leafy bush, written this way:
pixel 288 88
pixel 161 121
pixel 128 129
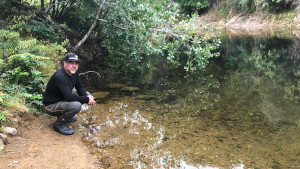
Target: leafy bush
pixel 8 43
pixel 37 27
pixel 193 6
pixel 6 8
pixel 2 118
pixel 23 70
pixel 248 6
pixel 26 66
pixel 154 30
pixel 276 6
pixel 1 64
pixel 269 6
pixel 224 10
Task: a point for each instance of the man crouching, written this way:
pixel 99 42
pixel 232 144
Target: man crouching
pixel 60 101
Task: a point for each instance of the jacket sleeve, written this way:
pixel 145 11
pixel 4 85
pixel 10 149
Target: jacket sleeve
pixel 79 87
pixel 66 92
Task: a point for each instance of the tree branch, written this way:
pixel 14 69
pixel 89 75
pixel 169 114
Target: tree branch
pixel 113 24
pixel 171 33
pixel 49 7
pixel 91 28
pixel 85 74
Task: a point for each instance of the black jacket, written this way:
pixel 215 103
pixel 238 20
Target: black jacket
pixel 59 88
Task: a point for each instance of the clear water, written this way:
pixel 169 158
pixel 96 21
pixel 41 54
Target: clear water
pixel 241 112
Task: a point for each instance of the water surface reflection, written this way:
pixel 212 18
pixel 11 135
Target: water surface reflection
pixel 241 112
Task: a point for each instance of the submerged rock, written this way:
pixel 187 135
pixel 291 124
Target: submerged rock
pixel 100 95
pixel 286 123
pixel 116 86
pixel 146 97
pixel 130 89
pixel 276 167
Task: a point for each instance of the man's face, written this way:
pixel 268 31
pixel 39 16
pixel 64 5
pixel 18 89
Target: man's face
pixel 71 67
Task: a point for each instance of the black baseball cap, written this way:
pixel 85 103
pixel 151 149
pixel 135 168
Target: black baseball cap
pixel 71 57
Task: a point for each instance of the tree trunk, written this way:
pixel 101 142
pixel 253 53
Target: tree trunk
pixel 91 28
pixel 49 7
pixel 43 5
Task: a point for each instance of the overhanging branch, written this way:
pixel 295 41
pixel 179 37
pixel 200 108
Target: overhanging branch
pixel 91 28
pixel 113 24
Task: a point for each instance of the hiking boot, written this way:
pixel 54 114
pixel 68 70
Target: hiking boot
pixel 72 119
pixel 62 128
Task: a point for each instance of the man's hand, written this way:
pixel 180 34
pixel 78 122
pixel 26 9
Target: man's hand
pixel 91 100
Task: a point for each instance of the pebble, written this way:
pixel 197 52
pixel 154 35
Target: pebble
pixel 85 123
pixel 240 161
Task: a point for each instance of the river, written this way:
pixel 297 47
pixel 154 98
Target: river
pixel 242 111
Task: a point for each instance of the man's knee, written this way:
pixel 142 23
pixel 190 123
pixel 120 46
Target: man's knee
pixel 75 106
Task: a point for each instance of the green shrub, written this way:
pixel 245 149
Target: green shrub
pixel 38 28
pixel 277 6
pixel 25 64
pixel 248 6
pixel 52 50
pixel 8 43
pixel 24 70
pixel 193 6
pixel 269 6
pixel 1 65
pixel 224 10
pixel 13 44
pixel 7 9
pixel 2 118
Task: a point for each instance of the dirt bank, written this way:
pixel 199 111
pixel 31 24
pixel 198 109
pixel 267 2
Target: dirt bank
pixel 37 145
pixel 252 24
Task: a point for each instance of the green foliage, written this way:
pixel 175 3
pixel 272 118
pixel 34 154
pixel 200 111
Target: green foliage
pixel 276 6
pixel 268 6
pixel 153 29
pixel 247 6
pixel 287 16
pixel 23 70
pixel 193 6
pixel 85 14
pixel 224 10
pixel 37 27
pixel 2 118
pixel 26 66
pixel 8 43
pixel 1 64
pixel 199 45
pixel 6 8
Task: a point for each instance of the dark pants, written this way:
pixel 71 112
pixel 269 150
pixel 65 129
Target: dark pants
pixel 63 110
